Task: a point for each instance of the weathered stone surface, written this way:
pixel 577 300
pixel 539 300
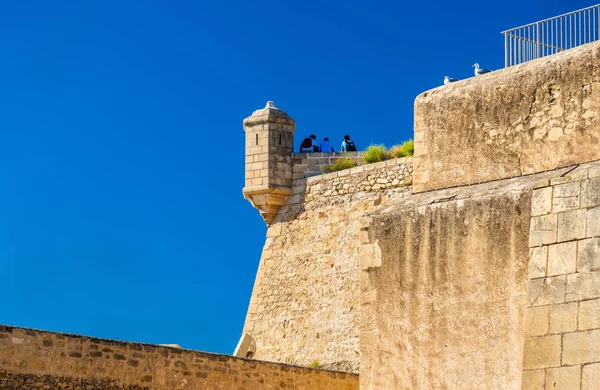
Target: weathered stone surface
pixel 452 286
pixel 46 360
pixel 593 222
pixel 390 174
pixel 583 286
pixel 581 347
pixel 370 256
pixel 452 290
pixel 566 196
pixel 538 258
pixel 534 380
pixel 305 302
pixel 563 378
pixel 589 314
pixel 588 255
pixel 541 201
pixel 562 258
pixel 563 318
pixel 590 377
pixel 543 230
pixel 578 321
pixel 328 201
pixel 590 192
pixel 571 225
pixel 16 381
pixel 546 291
pixel 541 352
pixel 536 321
pixel 548 111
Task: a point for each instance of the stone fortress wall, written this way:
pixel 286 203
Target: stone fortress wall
pixel 499 283
pixel 451 288
pixel 304 306
pixel 32 359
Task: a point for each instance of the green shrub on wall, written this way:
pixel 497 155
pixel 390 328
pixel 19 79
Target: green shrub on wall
pixel 375 153
pixel 340 165
pixel 407 149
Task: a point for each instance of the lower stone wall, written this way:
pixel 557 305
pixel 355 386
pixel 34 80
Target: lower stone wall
pixel 12 381
pixel 32 359
pixel 305 303
pixel 311 163
pixel 562 329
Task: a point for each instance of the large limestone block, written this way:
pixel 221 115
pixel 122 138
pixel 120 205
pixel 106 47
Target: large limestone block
pixel 541 201
pixel 588 255
pixel 562 258
pixel 581 347
pixel 563 318
pixel 582 286
pixel 589 314
pixel 541 352
pixel 590 377
pixel 571 225
pixel 534 380
pixel 563 378
pixel 536 321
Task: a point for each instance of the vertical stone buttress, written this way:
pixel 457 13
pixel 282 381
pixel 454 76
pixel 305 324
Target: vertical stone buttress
pixel 269 148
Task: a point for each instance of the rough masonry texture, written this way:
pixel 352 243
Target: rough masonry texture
pixel 496 284
pixel 305 302
pixel 32 359
pixel 311 164
pixel 528 118
pixel 562 328
pixel 443 289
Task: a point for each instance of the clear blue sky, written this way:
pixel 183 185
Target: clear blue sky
pixel 122 148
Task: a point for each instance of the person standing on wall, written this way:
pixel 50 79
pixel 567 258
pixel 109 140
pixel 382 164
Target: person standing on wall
pixel 347 145
pixel 309 144
pixel 326 146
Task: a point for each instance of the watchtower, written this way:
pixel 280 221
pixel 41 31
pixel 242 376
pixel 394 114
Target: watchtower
pixel 269 148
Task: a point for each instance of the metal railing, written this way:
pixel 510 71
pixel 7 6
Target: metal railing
pixel 550 36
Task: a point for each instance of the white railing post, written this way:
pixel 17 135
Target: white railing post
pixel 506 50
pixel 539 40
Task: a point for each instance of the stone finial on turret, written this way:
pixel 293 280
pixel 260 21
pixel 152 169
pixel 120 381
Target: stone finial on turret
pixel 269 148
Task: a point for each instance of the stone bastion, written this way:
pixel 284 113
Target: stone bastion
pixel 476 264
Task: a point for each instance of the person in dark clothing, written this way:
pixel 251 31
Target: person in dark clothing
pixel 309 144
pixel 348 145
